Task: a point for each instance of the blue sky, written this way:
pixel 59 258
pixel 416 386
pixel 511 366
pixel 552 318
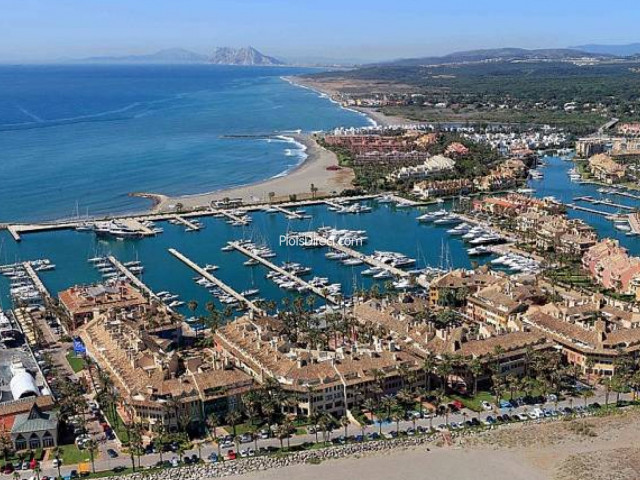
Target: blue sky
pixel 364 30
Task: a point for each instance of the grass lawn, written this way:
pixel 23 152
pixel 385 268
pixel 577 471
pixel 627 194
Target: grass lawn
pixel 474 403
pixel 77 363
pixel 71 455
pixel 117 424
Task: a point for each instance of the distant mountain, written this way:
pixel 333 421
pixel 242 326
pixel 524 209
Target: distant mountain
pixel 625 50
pixel 242 56
pixel 168 56
pixel 493 55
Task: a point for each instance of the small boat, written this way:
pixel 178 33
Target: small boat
pixel 383 274
pixel 210 268
pixel 250 292
pixel 481 250
pixel 252 262
pixel 176 303
pixel 227 248
pixel 352 262
pixel 371 271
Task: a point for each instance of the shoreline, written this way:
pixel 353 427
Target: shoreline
pixel 297 180
pixel 376 117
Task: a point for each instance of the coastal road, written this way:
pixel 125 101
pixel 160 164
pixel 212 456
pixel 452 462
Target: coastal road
pixel 105 463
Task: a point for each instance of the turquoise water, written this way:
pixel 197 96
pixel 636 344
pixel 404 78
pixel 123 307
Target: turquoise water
pixel 388 229
pixel 89 135
pixel 69 250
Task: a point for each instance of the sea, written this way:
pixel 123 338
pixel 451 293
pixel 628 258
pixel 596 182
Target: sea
pixel 78 139
pixel 82 137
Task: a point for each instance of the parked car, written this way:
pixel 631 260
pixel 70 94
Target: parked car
pixel 486 405
pixel 213 457
pixel 231 455
pixel 246 437
pixel 112 453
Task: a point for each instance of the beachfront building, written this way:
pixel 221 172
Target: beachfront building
pixel 468 341
pixel 320 380
pixel 587 340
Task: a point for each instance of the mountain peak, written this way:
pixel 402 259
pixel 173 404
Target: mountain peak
pixel 241 56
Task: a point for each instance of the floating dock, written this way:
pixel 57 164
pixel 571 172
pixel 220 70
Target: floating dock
pixel 319 239
pixel 233 217
pixel 294 278
pixel 132 278
pixel 16 230
pixel 191 227
pixel 288 213
pixel 573 206
pixel 607 203
pixel 219 283
pixel 33 275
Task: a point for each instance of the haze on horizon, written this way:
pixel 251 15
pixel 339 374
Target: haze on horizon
pixel 357 30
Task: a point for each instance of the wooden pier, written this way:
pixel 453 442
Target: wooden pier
pixel 219 283
pixel 319 239
pixel 191 227
pixel 317 290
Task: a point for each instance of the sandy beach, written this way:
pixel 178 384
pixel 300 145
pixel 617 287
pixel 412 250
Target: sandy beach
pixel 597 448
pixel 313 170
pixel 332 88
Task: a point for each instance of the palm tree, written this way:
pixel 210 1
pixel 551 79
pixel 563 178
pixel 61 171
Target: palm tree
pixel 233 418
pixel 213 422
pixel 476 369
pixel 396 416
pixel 325 425
pixel 608 385
pixel 92 447
pixel 428 364
pixel 281 433
pixel 444 369
pixel 586 394
pixel 288 427
pixel 344 421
